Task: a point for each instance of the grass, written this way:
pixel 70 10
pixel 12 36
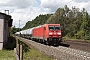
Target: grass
pixel 7 55
pixel 33 54
pixel 68 38
pixel 8 51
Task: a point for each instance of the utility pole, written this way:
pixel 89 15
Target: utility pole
pixel 19 25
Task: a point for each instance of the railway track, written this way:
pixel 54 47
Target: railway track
pixel 80 45
pixel 59 52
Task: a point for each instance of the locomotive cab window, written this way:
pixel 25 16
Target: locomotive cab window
pixel 57 27
pixel 51 27
pixel 54 27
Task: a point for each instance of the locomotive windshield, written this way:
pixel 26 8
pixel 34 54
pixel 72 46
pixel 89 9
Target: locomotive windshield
pixel 57 28
pixel 54 27
pixel 51 27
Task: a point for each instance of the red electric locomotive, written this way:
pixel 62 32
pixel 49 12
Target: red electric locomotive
pixel 48 33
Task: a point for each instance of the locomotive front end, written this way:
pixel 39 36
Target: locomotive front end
pixel 55 33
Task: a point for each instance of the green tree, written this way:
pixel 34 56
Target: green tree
pixel 74 22
pixel 39 20
pixel 13 30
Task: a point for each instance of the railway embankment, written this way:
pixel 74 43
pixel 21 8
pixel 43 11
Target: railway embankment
pixel 59 52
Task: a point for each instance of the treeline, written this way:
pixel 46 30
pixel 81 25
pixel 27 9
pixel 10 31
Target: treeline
pixel 75 23
pixel 39 20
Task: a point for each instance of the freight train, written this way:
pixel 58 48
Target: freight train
pixel 47 33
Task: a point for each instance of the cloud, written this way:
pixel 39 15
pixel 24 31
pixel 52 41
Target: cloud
pixel 19 3
pixel 79 1
pixel 4 1
pixel 22 10
pixel 25 15
pixel 26 10
pixel 80 5
pixel 49 5
pixel 53 5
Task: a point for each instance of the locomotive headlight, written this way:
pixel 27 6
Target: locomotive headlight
pixel 50 33
pixel 59 33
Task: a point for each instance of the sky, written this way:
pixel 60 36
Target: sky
pixel 26 10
